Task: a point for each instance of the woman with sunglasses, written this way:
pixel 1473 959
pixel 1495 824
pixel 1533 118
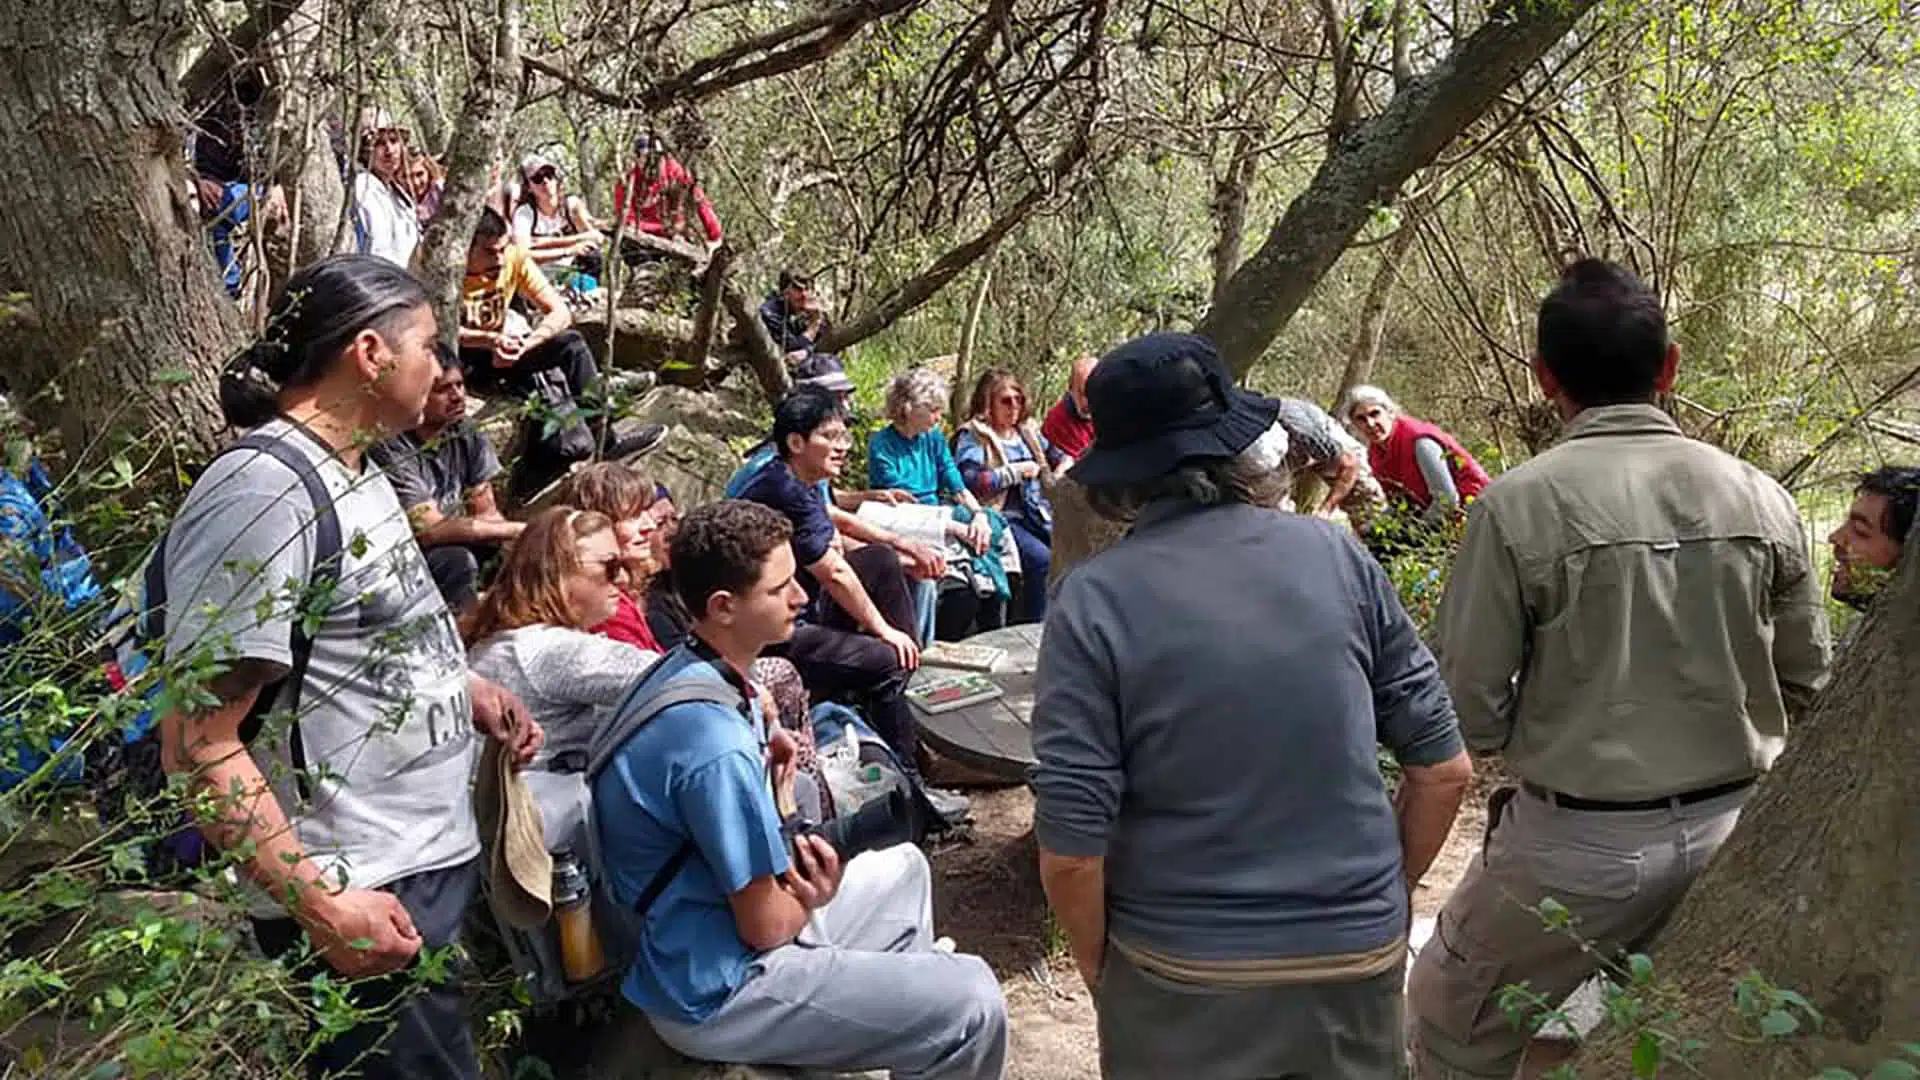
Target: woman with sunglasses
pixel 557 229
pixel 1008 465
pixel 626 497
pixel 533 632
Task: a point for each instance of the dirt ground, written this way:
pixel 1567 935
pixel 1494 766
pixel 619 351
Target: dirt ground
pixel 987 897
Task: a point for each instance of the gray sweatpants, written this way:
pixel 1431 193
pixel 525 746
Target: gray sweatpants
pixel 863 989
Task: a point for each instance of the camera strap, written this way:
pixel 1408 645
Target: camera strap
pixel 663 878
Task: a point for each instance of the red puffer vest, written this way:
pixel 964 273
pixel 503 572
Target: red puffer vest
pixel 1394 465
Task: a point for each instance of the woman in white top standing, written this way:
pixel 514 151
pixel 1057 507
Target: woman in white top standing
pixel 556 229
pixel 385 222
pixel 532 632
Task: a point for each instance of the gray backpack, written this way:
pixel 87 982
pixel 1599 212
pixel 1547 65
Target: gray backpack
pixel 565 796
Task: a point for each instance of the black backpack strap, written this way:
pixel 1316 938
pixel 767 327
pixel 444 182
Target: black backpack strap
pixel 663 877
pixel 324 573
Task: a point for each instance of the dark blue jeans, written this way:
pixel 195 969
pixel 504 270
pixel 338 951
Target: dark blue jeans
pixel 1036 558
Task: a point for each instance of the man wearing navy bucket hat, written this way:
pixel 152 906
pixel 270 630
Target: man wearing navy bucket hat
pixel 1215 836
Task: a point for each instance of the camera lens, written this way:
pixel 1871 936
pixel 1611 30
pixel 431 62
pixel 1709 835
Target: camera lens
pixel 881 823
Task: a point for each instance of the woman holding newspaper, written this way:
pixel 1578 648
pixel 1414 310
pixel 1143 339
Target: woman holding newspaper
pixel 911 455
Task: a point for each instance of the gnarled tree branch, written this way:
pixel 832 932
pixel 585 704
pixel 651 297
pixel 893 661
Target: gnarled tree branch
pixel 796 45
pixel 1366 168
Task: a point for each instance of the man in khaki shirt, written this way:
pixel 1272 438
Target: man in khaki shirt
pixel 1635 704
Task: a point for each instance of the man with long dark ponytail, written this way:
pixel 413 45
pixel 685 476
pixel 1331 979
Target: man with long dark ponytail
pixel 291 566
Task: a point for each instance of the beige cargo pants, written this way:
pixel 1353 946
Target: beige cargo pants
pixel 1620 874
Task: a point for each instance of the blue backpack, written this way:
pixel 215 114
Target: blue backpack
pixel 52 565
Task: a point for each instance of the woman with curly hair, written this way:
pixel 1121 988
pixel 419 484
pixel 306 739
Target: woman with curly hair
pixel 1008 465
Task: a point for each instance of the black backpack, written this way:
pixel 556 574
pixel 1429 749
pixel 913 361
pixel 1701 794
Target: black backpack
pixel 132 773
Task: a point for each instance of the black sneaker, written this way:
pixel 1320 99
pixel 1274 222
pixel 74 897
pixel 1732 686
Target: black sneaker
pixel 643 440
pixel 950 808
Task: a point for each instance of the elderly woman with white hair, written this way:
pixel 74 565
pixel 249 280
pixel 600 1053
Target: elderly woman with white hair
pixel 1236 896
pixel 911 454
pixel 1415 460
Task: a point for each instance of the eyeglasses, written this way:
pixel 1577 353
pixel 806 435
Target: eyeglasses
pixel 835 438
pixel 611 568
pixel 545 176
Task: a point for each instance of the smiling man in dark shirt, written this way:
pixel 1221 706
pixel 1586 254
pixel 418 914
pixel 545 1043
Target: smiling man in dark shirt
pixel 856 637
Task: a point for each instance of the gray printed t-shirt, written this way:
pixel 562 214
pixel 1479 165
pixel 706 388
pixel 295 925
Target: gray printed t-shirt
pixel 440 472
pixel 385 723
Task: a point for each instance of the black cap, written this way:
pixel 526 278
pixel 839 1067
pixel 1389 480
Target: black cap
pixel 1164 399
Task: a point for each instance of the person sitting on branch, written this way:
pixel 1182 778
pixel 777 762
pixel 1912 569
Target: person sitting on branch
pixel 654 197
pixel 796 320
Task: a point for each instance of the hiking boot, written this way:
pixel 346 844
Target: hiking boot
pixel 617 447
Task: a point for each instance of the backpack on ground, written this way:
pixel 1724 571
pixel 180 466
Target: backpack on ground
pixel 130 775
pixel 564 792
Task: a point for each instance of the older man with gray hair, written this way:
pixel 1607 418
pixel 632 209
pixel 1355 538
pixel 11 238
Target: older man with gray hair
pixel 1215 835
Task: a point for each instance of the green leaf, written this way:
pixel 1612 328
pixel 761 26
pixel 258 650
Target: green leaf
pixel 361 944
pixel 1791 997
pixel 116 997
pixel 1834 1073
pixel 1894 1070
pixel 1778 1023
pixel 1554 913
pixel 1641 967
pixel 1646 1055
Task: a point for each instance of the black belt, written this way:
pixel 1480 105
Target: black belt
pixel 1685 798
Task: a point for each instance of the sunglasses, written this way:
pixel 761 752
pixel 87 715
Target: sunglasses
pixel 611 568
pixel 544 176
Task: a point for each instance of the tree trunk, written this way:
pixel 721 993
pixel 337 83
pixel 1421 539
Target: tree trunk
pixel 1230 196
pixel 1819 885
pixel 698 347
pixel 1078 532
pixel 100 228
pixel 1365 350
pixel 1368 166
pixel 763 356
pixel 962 390
pixel 477 145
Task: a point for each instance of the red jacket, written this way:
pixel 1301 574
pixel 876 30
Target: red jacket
pixel 646 212
pixel 629 624
pixel 1394 465
pixel 1067 430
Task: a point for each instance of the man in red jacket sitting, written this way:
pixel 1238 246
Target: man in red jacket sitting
pixel 1069 424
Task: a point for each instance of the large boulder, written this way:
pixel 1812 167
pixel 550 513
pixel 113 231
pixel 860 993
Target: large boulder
pixel 642 340
pixel 706 431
